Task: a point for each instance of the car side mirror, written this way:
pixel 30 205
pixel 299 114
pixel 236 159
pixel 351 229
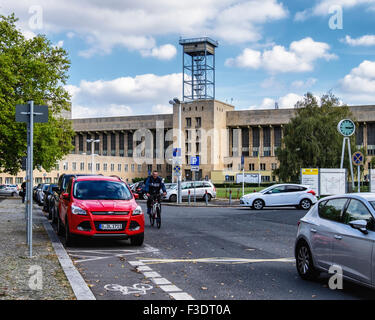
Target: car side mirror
pixel 136 195
pixel 360 225
pixel 65 196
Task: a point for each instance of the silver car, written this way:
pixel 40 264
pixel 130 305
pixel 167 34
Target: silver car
pixel 338 230
pixel 197 188
pixel 8 190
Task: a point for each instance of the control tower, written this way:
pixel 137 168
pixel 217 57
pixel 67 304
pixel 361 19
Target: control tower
pixel 198 61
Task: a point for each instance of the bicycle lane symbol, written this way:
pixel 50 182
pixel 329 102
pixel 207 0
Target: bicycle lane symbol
pixel 138 288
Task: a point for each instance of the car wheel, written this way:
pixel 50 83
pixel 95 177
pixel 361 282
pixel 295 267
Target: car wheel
pixel 258 204
pixel 173 198
pixel 305 204
pixel 69 238
pixel 304 262
pixel 137 240
pixel 60 227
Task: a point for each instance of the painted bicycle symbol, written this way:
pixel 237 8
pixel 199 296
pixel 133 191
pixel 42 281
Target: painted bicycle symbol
pixel 139 288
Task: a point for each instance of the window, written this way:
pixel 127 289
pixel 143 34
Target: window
pixel 119 167
pixel 158 167
pixel 121 143
pixel 112 167
pixel 80 143
pixel 279 189
pixel 188 122
pixel 88 144
pixel 126 167
pixel 98 167
pixel 332 209
pixel 74 145
pixel 198 122
pixel 19 180
pixel 265 179
pixel 263 166
pixel 357 211
pixel 277 136
pixel 294 189
pixel 74 166
pixel 251 167
pixel 139 168
pixel 65 166
pixel 105 167
pixel 105 144
pixel 245 142
pixel 133 167
pixel 113 144
pixel 274 166
pixel 149 168
pixel 82 166
pixel 57 167
pixel 89 166
pixel 101 190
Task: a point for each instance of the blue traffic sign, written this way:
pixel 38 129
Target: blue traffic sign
pixel 177 152
pixel 357 158
pixel 194 161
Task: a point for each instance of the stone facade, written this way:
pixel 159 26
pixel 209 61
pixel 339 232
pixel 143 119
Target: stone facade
pixel 131 146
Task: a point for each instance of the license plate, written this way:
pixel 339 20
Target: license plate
pixel 110 226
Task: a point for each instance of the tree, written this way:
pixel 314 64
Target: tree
pixel 36 70
pixel 311 139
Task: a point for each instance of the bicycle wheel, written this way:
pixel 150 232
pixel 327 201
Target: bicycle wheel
pixel 158 217
pixel 152 218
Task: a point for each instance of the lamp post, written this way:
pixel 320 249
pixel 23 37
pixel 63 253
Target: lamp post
pixel 92 141
pixel 179 178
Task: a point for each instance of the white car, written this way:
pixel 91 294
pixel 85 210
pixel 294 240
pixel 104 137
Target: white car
pixel 281 195
pixel 9 190
pixel 197 188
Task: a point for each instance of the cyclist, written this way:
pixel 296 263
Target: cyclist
pixel 152 187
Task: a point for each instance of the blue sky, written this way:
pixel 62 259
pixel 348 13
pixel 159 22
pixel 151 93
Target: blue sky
pixel 126 59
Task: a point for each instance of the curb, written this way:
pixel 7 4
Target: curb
pixel 78 284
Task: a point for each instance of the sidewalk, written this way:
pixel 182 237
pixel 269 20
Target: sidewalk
pixel 15 263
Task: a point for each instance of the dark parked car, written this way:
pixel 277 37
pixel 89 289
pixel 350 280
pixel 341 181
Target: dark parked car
pixel 56 192
pixel 138 189
pixel 48 193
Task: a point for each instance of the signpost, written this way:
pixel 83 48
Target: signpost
pixel 177 171
pixel 30 114
pixel 358 160
pixel 243 174
pixel 346 128
pixel 310 177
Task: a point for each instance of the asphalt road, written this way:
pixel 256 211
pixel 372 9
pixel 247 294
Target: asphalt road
pixel 208 254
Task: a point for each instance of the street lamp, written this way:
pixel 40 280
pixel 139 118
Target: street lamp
pixel 92 141
pixel 179 178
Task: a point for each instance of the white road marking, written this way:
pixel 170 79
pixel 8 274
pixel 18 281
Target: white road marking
pixel 218 260
pixel 164 284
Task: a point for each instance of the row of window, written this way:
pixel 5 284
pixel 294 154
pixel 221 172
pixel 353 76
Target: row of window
pixel 262 166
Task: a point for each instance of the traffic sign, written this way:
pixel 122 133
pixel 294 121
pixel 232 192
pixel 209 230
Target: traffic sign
pixel 176 152
pixel 23 113
pixel 194 168
pixel 194 161
pixel 177 170
pixel 357 158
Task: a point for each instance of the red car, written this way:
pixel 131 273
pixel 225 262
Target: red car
pixel 100 207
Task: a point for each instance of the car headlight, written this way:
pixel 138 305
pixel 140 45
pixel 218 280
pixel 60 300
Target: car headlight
pixel 137 211
pixel 78 211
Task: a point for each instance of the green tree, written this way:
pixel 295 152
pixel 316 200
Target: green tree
pixel 311 139
pixel 36 70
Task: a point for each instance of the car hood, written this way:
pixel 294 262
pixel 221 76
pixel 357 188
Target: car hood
pixel 107 205
pixel 254 194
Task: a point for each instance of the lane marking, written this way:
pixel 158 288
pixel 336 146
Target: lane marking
pixel 164 284
pixel 217 260
pixel 138 288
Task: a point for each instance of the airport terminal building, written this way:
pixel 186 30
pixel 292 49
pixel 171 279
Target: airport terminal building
pixel 132 146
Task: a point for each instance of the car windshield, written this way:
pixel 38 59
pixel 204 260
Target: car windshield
pixel 266 189
pixel 170 186
pixel 101 190
pixel 373 204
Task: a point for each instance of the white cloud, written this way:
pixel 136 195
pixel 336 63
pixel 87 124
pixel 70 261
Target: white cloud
pixel 142 94
pixel 360 80
pixel 162 108
pixel 285 102
pixel 135 25
pixel 366 40
pixel 322 8
pixel 301 84
pixel 164 52
pixel 299 58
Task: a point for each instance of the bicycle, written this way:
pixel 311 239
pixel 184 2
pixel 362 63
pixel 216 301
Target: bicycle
pixel 155 212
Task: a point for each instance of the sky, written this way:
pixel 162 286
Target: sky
pixel 126 60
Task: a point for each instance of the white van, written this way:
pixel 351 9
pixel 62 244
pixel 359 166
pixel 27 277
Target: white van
pixel 199 187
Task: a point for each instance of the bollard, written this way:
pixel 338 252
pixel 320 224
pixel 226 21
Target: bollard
pixel 230 197
pixel 189 197
pixel 238 193
pixel 206 198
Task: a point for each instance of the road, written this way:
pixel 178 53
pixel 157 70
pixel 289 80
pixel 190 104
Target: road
pixel 208 254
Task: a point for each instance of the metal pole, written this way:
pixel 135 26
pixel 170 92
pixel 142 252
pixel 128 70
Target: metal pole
pixel 92 156
pixel 180 148
pixel 350 162
pixel 343 153
pixel 359 178
pixel 243 180
pixel 30 200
